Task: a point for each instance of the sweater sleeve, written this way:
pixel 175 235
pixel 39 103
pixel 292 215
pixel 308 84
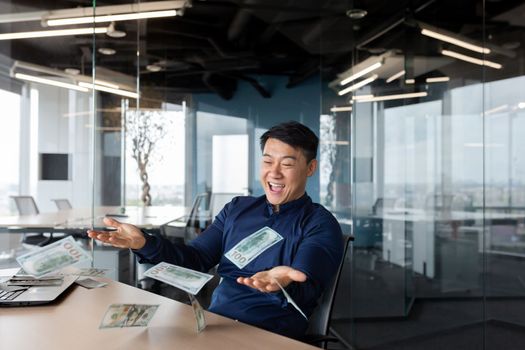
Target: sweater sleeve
pixel 201 254
pixel 318 256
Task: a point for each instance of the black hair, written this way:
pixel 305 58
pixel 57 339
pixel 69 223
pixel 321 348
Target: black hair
pixel 296 135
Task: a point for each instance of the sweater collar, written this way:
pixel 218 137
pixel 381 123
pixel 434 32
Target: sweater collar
pixel 296 203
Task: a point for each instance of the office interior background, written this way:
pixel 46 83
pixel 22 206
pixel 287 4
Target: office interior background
pixel 418 104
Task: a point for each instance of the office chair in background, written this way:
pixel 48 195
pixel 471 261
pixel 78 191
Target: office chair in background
pixel 318 332
pixel 219 200
pixel 189 226
pixel 26 206
pixel 62 204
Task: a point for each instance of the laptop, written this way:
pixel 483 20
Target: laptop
pixel 20 295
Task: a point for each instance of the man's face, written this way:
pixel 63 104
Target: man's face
pixel 284 171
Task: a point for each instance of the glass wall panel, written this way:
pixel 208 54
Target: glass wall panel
pixel 47 128
pixel 436 197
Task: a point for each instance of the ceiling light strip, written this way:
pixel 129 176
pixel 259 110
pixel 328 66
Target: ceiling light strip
pixel 52 33
pixel 455 41
pixel 395 76
pixel 341 109
pixel 49 82
pixel 393 97
pixel 471 59
pixel 358 85
pixel 110 90
pixel 107 83
pixel 437 79
pixel 111 18
pixel 361 73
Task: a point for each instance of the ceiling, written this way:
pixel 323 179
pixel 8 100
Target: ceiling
pixel 216 44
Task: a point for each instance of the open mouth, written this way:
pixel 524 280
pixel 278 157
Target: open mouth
pixel 275 187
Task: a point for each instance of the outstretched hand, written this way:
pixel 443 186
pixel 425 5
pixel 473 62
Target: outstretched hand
pixel 265 281
pixel 125 236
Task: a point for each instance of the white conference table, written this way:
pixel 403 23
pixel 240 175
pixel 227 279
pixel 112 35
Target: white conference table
pixel 82 218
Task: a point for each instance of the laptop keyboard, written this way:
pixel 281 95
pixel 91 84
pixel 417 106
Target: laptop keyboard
pixel 5 295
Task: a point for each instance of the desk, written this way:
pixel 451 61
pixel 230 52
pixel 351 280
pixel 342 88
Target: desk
pixel 82 218
pixel 73 323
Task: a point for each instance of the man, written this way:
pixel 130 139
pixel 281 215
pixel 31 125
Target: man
pixel 302 241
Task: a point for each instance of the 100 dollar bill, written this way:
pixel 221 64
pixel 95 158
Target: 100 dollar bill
pixel 188 280
pixel 128 315
pixel 252 246
pixel 52 257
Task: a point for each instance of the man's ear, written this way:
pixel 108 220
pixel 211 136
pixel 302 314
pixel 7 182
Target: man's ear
pixel 311 167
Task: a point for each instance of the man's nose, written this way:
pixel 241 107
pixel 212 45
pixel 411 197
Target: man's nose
pixel 275 170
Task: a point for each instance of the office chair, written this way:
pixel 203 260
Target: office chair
pixel 188 226
pixel 62 204
pixel 26 206
pixel 219 200
pixel 319 322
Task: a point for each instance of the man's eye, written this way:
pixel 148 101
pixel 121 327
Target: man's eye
pixel 287 164
pixel 267 162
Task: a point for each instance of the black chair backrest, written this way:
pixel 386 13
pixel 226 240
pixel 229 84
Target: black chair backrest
pixel 193 217
pixel 319 321
pixel 26 205
pixel 62 204
pixel 219 200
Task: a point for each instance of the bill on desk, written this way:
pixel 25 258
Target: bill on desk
pixel 128 315
pixel 53 257
pixel 188 280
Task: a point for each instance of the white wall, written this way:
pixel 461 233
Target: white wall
pixel 63 125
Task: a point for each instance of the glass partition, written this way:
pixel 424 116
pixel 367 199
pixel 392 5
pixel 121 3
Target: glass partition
pixel 436 198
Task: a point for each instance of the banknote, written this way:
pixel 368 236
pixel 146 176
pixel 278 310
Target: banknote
pixel 188 280
pixel 53 257
pixel 199 313
pixel 90 283
pixel 84 271
pixel 252 246
pixel 128 315
pixel 290 300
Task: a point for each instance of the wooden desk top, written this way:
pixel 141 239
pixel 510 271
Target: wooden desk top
pixel 72 323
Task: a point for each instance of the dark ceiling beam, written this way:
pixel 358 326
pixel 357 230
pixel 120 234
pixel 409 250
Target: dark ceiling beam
pixel 308 69
pixel 388 25
pixel 222 85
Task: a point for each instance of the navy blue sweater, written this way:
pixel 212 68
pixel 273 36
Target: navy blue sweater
pixel 312 244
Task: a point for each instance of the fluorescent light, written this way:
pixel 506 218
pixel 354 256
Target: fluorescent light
pixel 393 97
pixel 496 109
pixel 361 97
pixel 521 105
pixel 455 41
pixel 410 81
pixel 51 33
pixel 110 18
pixel 106 83
pixel 358 85
pixel 49 82
pixel 361 73
pixel 341 109
pixel 471 59
pixel 335 142
pixel 437 79
pixel 110 90
pixel 395 76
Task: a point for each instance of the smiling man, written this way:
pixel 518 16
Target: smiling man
pixel 281 238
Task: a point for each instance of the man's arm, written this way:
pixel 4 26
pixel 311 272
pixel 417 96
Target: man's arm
pixel 201 254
